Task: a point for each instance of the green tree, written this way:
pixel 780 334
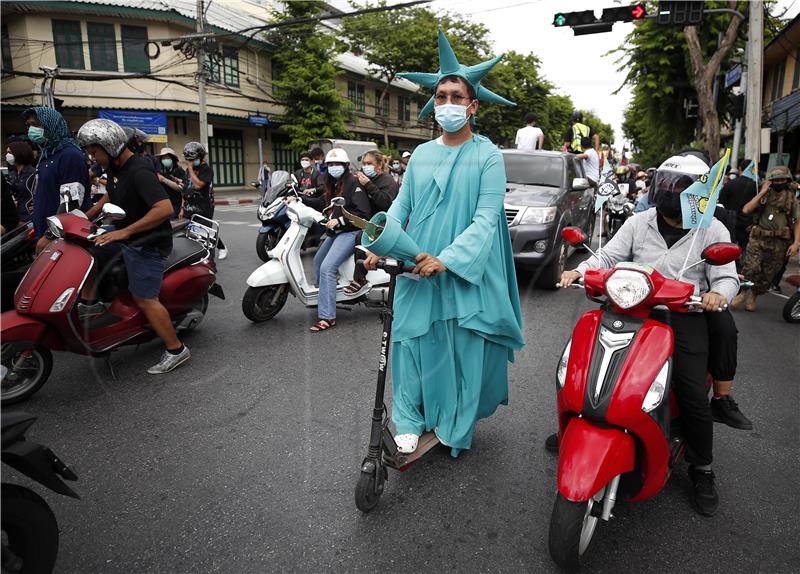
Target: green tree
pixel 306 78
pixel 404 40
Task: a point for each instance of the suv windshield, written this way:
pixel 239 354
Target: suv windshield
pixel 534 170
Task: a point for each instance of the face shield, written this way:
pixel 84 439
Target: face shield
pixel 666 189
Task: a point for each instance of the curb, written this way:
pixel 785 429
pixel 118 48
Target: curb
pixel 233 201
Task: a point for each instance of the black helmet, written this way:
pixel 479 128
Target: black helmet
pixel 577 116
pixel 107 134
pixel 193 151
pixel 136 139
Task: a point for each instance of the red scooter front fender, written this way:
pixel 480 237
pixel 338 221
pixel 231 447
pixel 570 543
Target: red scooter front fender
pixel 15 327
pixel 590 456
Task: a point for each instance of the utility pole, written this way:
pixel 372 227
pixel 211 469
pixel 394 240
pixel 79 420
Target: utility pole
pixel 755 51
pixel 201 77
pixel 737 130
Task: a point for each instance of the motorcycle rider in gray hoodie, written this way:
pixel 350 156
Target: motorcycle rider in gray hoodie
pixel 657 238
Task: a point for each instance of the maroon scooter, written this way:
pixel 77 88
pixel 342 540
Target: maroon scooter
pixel 45 317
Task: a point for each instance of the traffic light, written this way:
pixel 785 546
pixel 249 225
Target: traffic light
pixel 679 13
pixel 624 13
pixel 585 22
pixel 573 18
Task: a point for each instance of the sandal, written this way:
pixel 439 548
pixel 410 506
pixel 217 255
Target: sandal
pixel 323 325
pixel 354 287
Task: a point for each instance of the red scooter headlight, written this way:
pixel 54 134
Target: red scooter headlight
pixel 628 285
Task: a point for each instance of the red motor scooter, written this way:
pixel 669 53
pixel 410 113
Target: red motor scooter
pixel 616 412
pixel 46 317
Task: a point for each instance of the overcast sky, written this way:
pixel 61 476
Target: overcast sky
pixel 576 64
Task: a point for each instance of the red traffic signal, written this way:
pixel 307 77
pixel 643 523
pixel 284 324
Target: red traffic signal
pixel 624 13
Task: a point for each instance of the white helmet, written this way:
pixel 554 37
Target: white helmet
pixel 672 177
pixel 337 154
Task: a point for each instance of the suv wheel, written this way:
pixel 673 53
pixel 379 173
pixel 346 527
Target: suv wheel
pixel 551 273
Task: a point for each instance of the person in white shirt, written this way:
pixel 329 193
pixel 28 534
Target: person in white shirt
pixel 530 137
pixel 591 161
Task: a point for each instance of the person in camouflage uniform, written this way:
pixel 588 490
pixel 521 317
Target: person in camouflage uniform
pixel 774 235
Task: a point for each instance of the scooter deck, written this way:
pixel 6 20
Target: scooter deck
pixel 403 462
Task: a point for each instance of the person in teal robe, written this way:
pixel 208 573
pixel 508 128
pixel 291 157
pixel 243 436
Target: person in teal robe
pixel 456 329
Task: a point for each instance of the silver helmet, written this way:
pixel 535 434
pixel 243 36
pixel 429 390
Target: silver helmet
pixel 193 151
pixel 104 133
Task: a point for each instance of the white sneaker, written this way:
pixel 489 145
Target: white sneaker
pixel 406 443
pixel 223 253
pixel 169 362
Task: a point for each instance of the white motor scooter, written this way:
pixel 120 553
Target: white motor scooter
pixel 269 286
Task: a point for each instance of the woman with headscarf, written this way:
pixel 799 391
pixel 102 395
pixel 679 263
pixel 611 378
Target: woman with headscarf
pixel 60 161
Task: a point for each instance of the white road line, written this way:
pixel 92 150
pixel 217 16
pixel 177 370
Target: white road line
pixel 254 225
pixel 251 207
pixel 234 222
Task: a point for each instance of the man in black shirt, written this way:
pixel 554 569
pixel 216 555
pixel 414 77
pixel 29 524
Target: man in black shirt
pixel 734 195
pixel 172 177
pixel 143 237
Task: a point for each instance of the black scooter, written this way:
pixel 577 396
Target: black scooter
pixel 382 452
pixel 30 530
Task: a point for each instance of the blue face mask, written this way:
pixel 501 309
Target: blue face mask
pixel 369 170
pixel 336 171
pixel 36 135
pixel 451 117
pixel 196 163
pixel 167 163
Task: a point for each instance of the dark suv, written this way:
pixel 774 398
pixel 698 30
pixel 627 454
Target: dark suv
pixel 546 192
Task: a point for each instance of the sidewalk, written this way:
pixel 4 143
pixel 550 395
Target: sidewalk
pixel 236 196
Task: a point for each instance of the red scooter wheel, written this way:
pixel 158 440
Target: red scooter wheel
pixel 572 529
pixel 25 368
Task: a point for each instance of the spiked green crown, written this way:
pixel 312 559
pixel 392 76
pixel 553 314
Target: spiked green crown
pixel 449 66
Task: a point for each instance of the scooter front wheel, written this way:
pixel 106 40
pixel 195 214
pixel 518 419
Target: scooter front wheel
pixel 263 303
pixel 367 496
pixel 266 242
pixel 572 529
pixel 30 531
pixel 25 368
pixel 791 310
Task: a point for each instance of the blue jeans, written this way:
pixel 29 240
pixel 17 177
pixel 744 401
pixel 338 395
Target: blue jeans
pixel 331 254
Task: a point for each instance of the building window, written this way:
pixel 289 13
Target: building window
pixel 69 44
pixel 777 80
pixel 5 47
pixel 795 79
pixel 102 46
pixel 403 108
pixel 226 151
pixel 134 43
pixel 230 57
pixel 355 93
pixel 383 108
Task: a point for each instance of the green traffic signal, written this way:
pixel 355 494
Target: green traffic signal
pixel 559 20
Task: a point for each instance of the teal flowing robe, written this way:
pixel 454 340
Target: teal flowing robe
pixel 454 333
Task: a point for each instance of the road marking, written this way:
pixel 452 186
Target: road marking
pixel 234 222
pixel 254 225
pixel 248 208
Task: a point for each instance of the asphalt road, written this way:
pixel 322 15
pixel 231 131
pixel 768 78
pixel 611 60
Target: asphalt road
pixel 245 460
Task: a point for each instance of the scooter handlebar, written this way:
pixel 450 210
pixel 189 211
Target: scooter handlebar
pixel 391 266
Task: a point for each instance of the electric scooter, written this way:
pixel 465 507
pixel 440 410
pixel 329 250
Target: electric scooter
pixel 382 451
pixel 616 410
pixel 269 286
pixel 46 316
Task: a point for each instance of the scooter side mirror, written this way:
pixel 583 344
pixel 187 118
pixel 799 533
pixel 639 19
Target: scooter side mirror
pixel 721 253
pixel 628 208
pixel 573 236
pixel 337 201
pixel 294 180
pixel 113 212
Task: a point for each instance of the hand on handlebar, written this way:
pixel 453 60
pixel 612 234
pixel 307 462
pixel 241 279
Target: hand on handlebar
pixel 428 265
pixel 568 278
pixel 712 301
pixel 371 262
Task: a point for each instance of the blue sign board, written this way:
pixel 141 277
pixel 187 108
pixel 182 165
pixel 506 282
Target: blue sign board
pixel 154 124
pixel 258 120
pixel 733 75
